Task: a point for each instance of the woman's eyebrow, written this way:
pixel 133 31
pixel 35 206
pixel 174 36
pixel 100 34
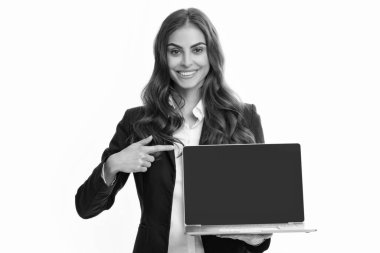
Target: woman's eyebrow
pixel 196 44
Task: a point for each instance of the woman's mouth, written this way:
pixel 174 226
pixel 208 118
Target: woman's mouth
pixel 186 74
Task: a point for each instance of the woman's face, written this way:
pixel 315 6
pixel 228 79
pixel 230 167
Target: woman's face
pixel 187 58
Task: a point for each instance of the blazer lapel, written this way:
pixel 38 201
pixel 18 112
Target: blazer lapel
pixel 171 157
pixel 170 154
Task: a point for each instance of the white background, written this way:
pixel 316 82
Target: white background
pixel 69 70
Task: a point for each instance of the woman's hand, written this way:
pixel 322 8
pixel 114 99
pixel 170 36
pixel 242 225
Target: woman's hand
pixel 254 239
pixel 134 158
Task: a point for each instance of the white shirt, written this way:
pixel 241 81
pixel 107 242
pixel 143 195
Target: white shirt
pixel 178 240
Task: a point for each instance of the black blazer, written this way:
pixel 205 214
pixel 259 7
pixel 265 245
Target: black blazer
pixel 155 191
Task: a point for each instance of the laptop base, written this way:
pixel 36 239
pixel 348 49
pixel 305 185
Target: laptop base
pixel 247 229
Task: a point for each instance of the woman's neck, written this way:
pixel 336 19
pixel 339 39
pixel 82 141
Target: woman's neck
pixel 191 98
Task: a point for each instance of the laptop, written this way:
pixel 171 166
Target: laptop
pixel 243 189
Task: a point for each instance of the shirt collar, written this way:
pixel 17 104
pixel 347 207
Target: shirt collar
pixel 198 110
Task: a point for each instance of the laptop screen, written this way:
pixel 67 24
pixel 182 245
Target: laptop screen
pixel 243 184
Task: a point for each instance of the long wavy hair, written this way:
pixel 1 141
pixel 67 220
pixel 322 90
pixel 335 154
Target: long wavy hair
pixel 223 123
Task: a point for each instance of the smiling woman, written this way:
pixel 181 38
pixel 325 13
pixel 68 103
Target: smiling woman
pixel 186 102
pixel 187 59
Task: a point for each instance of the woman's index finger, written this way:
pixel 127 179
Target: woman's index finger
pixel 158 148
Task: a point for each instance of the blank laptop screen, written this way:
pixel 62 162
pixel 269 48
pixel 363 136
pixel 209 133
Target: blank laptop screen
pixel 243 184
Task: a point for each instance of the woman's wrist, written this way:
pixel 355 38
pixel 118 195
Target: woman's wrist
pixel 109 170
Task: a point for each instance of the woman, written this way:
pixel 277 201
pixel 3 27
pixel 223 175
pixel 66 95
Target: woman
pixel 186 102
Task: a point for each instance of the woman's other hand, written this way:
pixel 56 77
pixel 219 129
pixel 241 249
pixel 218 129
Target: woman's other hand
pixel 134 158
pixel 253 239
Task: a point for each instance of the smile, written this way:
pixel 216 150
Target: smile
pixel 186 74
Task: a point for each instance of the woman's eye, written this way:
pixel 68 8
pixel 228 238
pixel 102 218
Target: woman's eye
pixel 198 50
pixel 174 51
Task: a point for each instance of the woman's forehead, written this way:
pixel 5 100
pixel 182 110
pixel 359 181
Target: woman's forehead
pixel 186 36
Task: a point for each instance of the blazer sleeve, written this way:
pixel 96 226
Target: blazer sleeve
pixel 94 196
pixel 212 243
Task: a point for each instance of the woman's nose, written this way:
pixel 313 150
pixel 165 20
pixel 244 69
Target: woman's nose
pixel 186 60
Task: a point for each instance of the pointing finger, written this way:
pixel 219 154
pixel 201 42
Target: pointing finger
pixel 158 148
pixel 146 141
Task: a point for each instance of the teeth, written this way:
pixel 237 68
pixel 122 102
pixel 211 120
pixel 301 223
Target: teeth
pixel 187 73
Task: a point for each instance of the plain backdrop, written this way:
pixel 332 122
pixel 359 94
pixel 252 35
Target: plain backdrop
pixel 69 70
